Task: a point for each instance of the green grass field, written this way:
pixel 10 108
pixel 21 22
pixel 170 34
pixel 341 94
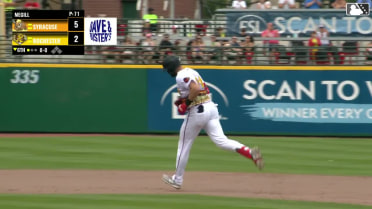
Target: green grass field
pixel 328 156
pixel 155 202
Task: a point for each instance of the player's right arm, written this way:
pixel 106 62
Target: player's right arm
pixel 194 90
pixel 183 104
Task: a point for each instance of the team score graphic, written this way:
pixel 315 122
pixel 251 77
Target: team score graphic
pixel 19 38
pixel 76 24
pixel 76 38
pixel 25 76
pixel 47 32
pixel 19 25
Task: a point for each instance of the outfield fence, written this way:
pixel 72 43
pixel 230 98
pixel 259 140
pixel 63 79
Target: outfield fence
pixel 269 100
pixel 292 52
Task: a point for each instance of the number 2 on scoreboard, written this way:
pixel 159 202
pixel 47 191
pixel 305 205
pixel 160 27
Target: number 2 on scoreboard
pixel 76 38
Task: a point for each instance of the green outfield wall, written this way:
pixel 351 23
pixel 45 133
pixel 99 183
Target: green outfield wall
pixel 43 98
pixel 270 100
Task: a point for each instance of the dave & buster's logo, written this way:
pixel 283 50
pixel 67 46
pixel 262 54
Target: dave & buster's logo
pixel 100 31
pixel 357 9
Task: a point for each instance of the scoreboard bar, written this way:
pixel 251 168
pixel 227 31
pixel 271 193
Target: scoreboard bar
pixel 46 14
pixel 43 32
pixel 47 50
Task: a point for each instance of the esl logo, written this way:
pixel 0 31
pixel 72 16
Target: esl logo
pixel 357 9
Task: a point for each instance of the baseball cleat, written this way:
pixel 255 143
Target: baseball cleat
pixel 257 158
pixel 170 181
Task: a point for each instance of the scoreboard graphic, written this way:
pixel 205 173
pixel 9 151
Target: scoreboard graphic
pixel 59 32
pixel 48 32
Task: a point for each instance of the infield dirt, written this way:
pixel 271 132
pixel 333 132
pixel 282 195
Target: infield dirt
pixel 338 189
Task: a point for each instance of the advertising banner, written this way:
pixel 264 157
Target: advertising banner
pixel 100 31
pixel 334 102
pixel 298 22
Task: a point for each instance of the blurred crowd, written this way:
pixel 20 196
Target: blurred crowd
pixel 218 48
pixel 28 4
pixel 204 48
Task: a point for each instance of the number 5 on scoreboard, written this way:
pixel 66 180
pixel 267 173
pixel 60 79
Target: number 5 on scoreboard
pixel 76 24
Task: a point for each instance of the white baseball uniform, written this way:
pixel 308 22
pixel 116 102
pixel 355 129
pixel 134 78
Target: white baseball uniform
pixel 202 114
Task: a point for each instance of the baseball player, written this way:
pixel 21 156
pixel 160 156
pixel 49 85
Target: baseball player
pixel 202 113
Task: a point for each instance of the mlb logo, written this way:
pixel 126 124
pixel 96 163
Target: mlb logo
pixel 357 9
